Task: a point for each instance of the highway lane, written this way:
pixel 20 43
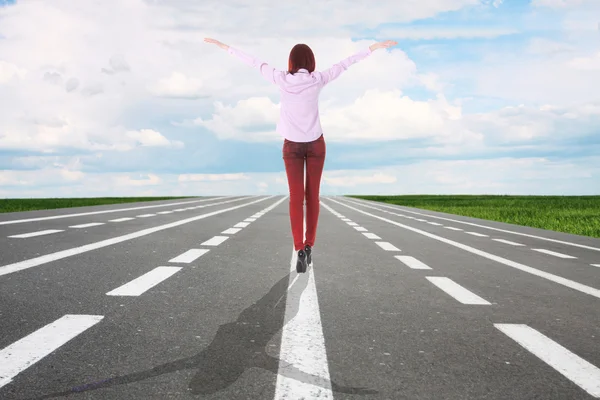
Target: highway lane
pixel 385 313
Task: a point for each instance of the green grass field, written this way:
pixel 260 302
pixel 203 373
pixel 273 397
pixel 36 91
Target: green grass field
pixel 16 205
pixel 579 215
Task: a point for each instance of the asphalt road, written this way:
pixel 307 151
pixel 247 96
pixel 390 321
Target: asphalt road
pixel 201 300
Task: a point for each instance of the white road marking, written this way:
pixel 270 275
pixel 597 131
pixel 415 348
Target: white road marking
pixel 387 246
pixel 576 369
pixel 453 228
pixel 34 262
pixel 543 274
pixel 22 354
pixel 231 231
pixel 434 223
pixel 250 219
pixel 18 221
pixel 179 210
pixel 302 345
pixel 421 220
pixel 87 225
pixel 38 233
pixel 352 223
pixel 455 290
pixel 371 236
pixel 189 256
pixel 346 220
pixel 241 225
pixel 412 262
pixel 360 229
pixel 364 202
pixel 508 242
pixel 121 219
pixel 147 281
pixel 165 212
pixel 595 265
pixel 553 253
pixel 146 215
pixel 477 234
pixel 215 241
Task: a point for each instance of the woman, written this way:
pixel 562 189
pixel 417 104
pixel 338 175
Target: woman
pixel 300 126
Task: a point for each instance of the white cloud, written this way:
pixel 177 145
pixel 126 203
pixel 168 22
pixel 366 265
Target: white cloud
pixel 178 85
pixel 211 177
pixel 10 71
pixel 354 178
pixel 430 33
pixel 591 63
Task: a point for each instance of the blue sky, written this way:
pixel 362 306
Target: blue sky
pixel 478 97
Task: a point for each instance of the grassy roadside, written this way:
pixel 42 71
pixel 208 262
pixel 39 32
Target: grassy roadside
pixel 17 205
pixel 578 215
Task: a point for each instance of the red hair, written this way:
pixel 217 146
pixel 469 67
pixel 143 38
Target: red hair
pixel 301 56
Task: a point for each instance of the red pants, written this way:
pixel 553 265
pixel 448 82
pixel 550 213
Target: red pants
pixel 294 156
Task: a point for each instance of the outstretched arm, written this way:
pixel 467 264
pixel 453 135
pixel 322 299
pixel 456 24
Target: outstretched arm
pixel 269 73
pixel 336 70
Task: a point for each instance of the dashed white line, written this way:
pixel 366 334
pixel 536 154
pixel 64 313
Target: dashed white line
pixel 38 233
pixel 508 242
pixel 553 253
pixel 576 369
pixel 477 234
pixel 215 241
pixel 165 212
pixel 387 246
pixel 434 223
pixel 189 256
pixel 231 231
pixel 121 219
pixel 371 236
pixel 27 351
pixel 455 290
pixel 346 220
pixel 146 215
pixel 352 223
pixel 412 262
pixel 595 265
pixel 145 282
pixel 453 228
pixel 241 225
pixel 87 225
pixel 179 210
pixel 250 220
pixel 421 220
pixel 360 229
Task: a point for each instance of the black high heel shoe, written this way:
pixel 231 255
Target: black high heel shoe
pixel 308 252
pixel 301 264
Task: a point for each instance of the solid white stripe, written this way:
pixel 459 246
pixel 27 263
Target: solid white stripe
pixel 121 219
pixel 412 262
pixel 27 351
pixel 250 219
pixel 371 235
pixel 553 253
pixel 241 225
pixel 38 233
pixel 543 274
pixel 303 346
pixel 215 241
pixel 147 281
pixel 231 231
pixel 455 290
pixel 165 212
pixel 146 215
pixel 352 223
pixel 33 262
pixel 87 225
pixel 387 246
pixel 360 229
pixel 576 369
pixel 189 256
pixel 434 223
pixel 595 265
pixel 508 242
pixel 18 221
pixel 453 228
pixel 477 234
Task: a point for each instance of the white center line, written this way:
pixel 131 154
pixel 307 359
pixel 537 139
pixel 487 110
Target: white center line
pixel 371 236
pixel 570 365
pixel 595 265
pixel 387 246
pixel 453 228
pixel 215 241
pixel 360 229
pixel 165 212
pixel 508 242
pixel 146 215
pixel 522 267
pixel 179 210
pixel 121 219
pixel 27 351
pixel 231 231
pixel 147 281
pixel 303 371
pixel 455 290
pixel 189 256
pixel 412 262
pixel 477 234
pixel 346 220
pixel 38 233
pixel 352 223
pixel 434 223
pixel 241 225
pixel 421 220
pixel 250 220
pixel 553 253
pixel 87 225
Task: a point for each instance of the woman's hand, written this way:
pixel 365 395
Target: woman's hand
pixel 383 45
pixel 221 45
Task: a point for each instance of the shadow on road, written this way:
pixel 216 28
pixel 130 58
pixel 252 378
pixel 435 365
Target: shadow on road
pixel 237 346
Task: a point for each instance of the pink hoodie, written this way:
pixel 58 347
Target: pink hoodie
pixel 299 114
